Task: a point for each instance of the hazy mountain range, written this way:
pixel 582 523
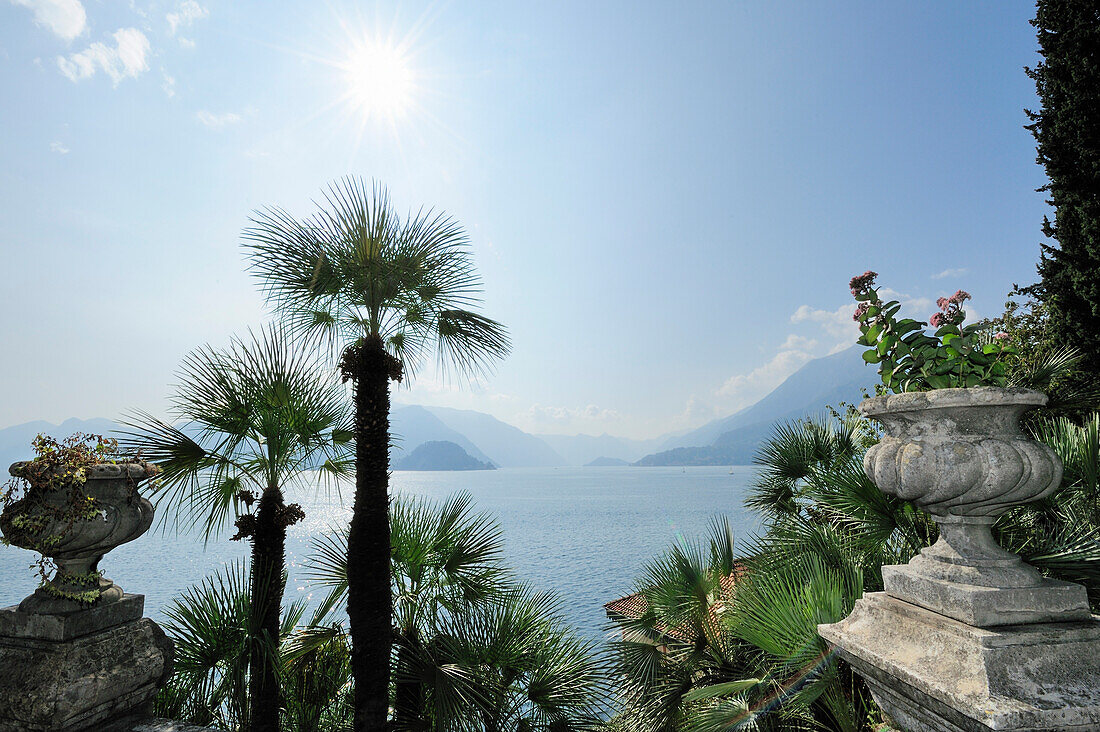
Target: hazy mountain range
pixel 730 440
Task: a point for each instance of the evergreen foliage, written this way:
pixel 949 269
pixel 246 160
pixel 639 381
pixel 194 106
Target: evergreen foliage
pixel 1067 135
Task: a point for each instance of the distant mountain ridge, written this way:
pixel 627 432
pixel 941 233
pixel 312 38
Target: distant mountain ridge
pixel 15 441
pixel 733 440
pixel 413 425
pixel 440 455
pixel 507 446
pixel 583 449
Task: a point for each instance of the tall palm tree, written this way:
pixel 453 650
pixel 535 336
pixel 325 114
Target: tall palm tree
pixel 250 419
pixel 385 293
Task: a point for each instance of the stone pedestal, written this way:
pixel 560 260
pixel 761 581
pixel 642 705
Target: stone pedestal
pixel 95 669
pixel 932 673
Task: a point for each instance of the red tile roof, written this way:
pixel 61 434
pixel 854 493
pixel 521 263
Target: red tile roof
pixel 635 606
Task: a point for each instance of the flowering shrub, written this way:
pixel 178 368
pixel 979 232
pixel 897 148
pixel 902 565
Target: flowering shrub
pixel 911 360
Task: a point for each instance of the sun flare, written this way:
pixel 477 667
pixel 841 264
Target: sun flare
pixel 380 82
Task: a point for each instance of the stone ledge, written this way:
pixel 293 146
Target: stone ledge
pixel 1051 601
pixel 83 684
pixel 14 623
pixel 933 674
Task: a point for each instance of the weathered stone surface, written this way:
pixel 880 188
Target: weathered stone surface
pixel 960 452
pixel 84 683
pixel 933 673
pixel 15 623
pixel 1049 601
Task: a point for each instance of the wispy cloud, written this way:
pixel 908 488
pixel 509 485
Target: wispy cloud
pixel 169 85
pixel 65 18
pixel 538 413
pixel 950 273
pixel 186 13
pixel 837 324
pixel 126 59
pixel 217 121
pixel 58 147
pixel 741 390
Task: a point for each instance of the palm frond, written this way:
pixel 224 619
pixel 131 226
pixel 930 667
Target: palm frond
pixel 356 270
pixel 254 415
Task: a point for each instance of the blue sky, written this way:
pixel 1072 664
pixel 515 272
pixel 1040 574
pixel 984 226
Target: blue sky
pixel 665 200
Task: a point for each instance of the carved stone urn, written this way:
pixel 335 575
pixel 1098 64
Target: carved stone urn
pixel 967 637
pixel 961 455
pixel 77 655
pixel 117 514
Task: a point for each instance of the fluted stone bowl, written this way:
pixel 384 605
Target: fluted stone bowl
pixel 961 455
pixel 960 452
pixel 122 515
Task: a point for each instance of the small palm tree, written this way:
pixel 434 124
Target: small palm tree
pixel 509 664
pixel 250 419
pixel 386 293
pixel 209 627
pixel 475 651
pixel 679 645
pixel 445 558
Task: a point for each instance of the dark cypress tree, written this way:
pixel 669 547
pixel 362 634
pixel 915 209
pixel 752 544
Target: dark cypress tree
pixel 1067 133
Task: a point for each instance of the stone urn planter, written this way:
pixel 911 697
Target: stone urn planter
pixel 961 455
pixel 75 532
pixel 77 655
pixel 966 636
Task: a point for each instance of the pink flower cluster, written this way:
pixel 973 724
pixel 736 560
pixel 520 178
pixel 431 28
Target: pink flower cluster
pixel 861 284
pixel 951 312
pixel 861 310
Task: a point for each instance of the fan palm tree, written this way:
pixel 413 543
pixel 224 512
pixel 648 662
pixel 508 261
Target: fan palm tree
pixel 445 558
pixel 209 627
pixel 385 294
pixel 679 645
pixel 474 650
pixel 250 419
pixel 509 664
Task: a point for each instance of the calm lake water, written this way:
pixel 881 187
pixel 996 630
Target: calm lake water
pixel 584 533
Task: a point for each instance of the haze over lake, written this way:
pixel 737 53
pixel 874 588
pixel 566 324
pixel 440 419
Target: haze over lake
pixel 584 533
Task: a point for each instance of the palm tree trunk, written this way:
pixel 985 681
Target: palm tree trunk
pixel 369 602
pixel 268 555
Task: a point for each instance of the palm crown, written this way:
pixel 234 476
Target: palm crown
pixel 356 271
pixel 249 417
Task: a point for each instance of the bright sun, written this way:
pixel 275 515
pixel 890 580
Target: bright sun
pixel 380 84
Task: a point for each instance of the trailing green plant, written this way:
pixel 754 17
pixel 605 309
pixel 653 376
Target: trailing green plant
pixel 45 498
pixel 954 356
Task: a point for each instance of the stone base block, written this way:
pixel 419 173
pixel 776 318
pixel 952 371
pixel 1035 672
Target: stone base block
pixel 15 623
pixel 931 673
pixel 82 684
pixel 1050 601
